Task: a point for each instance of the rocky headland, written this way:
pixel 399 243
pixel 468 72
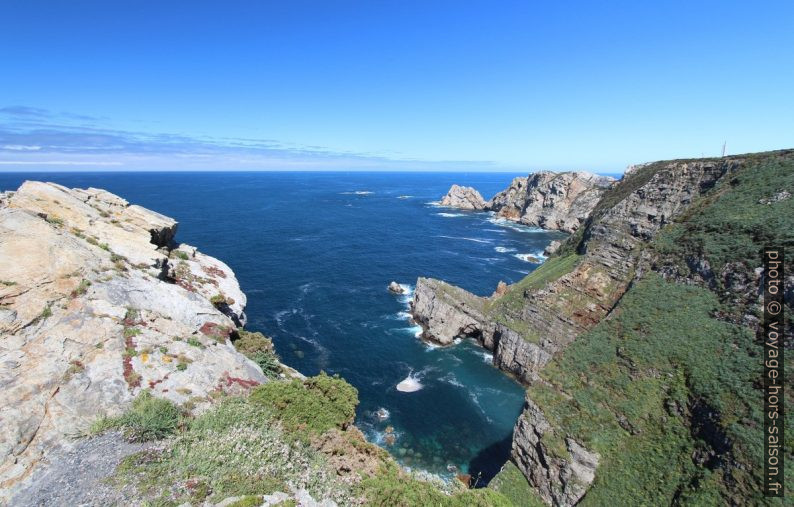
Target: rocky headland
pixel 666 232
pixel 545 199
pixel 128 378
pixel 97 303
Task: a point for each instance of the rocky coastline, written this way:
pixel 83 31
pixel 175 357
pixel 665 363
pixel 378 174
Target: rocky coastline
pixel 124 350
pixel 619 244
pixel 97 303
pixel 545 199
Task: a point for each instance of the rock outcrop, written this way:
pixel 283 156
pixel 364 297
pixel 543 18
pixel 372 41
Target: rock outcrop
pixel 528 323
pixel 558 480
pixel 556 201
pixel 549 200
pixel 97 302
pixel 463 198
pixel 396 288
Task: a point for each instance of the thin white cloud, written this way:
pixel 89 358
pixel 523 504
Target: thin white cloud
pixel 57 162
pixel 21 147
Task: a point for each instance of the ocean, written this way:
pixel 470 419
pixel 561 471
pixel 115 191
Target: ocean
pixel 314 252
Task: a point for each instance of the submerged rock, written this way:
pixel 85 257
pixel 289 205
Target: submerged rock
pixel 463 198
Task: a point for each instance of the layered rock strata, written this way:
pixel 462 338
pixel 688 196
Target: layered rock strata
pixel 554 201
pixel 527 323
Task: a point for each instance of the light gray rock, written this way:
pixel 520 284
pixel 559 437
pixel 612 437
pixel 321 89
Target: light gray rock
pixel 463 198
pixel 559 480
pixel 95 307
pixel 396 288
pixel 555 201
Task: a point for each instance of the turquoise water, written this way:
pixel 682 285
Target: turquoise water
pixel 314 252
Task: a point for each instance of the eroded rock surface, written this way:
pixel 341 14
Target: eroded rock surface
pixel 96 303
pixel 556 201
pixel 527 323
pixel 463 198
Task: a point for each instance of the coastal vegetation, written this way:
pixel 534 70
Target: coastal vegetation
pixel 273 440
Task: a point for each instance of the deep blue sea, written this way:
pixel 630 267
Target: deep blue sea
pixel 314 252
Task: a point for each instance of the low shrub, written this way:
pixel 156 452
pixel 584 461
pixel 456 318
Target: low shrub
pixel 315 405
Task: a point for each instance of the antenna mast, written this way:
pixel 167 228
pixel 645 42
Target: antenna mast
pixel 723 147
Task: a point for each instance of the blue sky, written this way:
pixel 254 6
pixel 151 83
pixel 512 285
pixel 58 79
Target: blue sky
pixel 390 85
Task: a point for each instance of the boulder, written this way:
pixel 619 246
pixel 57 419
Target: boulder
pixel 396 288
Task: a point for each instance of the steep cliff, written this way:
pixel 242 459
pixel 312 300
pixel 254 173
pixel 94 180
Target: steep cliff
pixel 96 304
pixel 555 201
pixel 558 201
pixel 695 222
pixel 126 379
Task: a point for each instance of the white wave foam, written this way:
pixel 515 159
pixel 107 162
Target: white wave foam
pixel 410 384
pixel 476 240
pixel 509 224
pixel 529 257
pixel 357 192
pixel 504 249
pixel 486 356
pixel 451 379
pixel 414 330
pixel 404 196
pixel 436 204
pixel 451 215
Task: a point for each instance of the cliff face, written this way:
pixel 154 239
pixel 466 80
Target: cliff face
pixel 557 201
pixel 659 218
pixel 554 201
pixel 96 304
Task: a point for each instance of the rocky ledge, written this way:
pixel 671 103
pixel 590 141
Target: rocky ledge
pixel 97 302
pixel 545 199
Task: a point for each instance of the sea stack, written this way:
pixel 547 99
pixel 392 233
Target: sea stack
pixel 463 198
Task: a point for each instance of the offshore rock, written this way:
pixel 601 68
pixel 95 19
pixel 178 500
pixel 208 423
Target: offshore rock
pixel 463 198
pixel 396 288
pixel 96 304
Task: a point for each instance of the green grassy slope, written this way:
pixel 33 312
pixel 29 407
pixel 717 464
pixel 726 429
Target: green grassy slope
pixel 665 391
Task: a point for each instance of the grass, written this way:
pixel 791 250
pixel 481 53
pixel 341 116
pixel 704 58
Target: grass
pixel 195 343
pixel 313 406
pixel 259 349
pixel 392 486
pixel 507 309
pixel 234 449
pixel 54 220
pixel 511 483
pixel 149 418
pixel 218 299
pixel 731 224
pixel 82 288
pixel 636 387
